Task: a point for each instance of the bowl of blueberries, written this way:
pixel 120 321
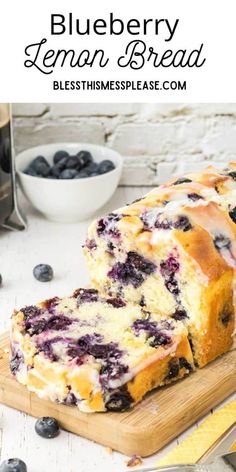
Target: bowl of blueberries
pixel 68 182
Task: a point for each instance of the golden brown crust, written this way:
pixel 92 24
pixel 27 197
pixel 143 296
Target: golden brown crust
pixel 211 263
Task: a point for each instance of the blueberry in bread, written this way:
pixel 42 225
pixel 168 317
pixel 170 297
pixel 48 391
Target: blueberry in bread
pixel 101 354
pixel 174 253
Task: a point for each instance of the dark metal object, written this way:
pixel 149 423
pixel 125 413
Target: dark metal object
pixel 10 215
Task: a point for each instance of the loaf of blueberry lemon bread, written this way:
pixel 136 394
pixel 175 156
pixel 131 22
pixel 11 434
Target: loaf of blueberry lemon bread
pixel 101 354
pixel 174 252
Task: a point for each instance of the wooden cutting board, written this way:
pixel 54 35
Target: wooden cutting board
pixel 158 419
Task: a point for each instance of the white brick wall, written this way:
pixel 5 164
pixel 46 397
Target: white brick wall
pixel 156 140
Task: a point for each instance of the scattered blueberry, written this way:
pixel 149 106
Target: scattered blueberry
pixel 85 157
pixel 69 174
pixel 59 155
pixel 47 427
pixel 105 166
pixel 43 272
pixel 232 214
pixel 13 465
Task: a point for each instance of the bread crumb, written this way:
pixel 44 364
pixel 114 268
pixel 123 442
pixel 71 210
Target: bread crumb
pixel 133 461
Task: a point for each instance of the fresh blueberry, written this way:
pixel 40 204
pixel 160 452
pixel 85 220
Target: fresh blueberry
pixel 59 155
pixel 73 162
pixel 43 272
pixel 13 465
pixel 92 169
pixel 31 171
pixel 58 167
pixel 105 166
pixel 85 157
pixel 47 427
pixel 40 166
pixel 232 214
pixel 83 174
pixel 69 174
pixel 182 180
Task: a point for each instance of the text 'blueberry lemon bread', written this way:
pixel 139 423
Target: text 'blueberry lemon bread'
pixel 99 354
pixel 174 252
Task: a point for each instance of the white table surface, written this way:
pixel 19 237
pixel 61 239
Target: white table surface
pixel 59 245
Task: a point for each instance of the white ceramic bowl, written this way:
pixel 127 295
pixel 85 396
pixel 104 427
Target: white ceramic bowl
pixel 68 200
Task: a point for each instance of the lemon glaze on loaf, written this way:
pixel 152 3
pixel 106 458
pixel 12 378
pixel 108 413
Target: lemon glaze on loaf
pixel 174 252
pixel 99 354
